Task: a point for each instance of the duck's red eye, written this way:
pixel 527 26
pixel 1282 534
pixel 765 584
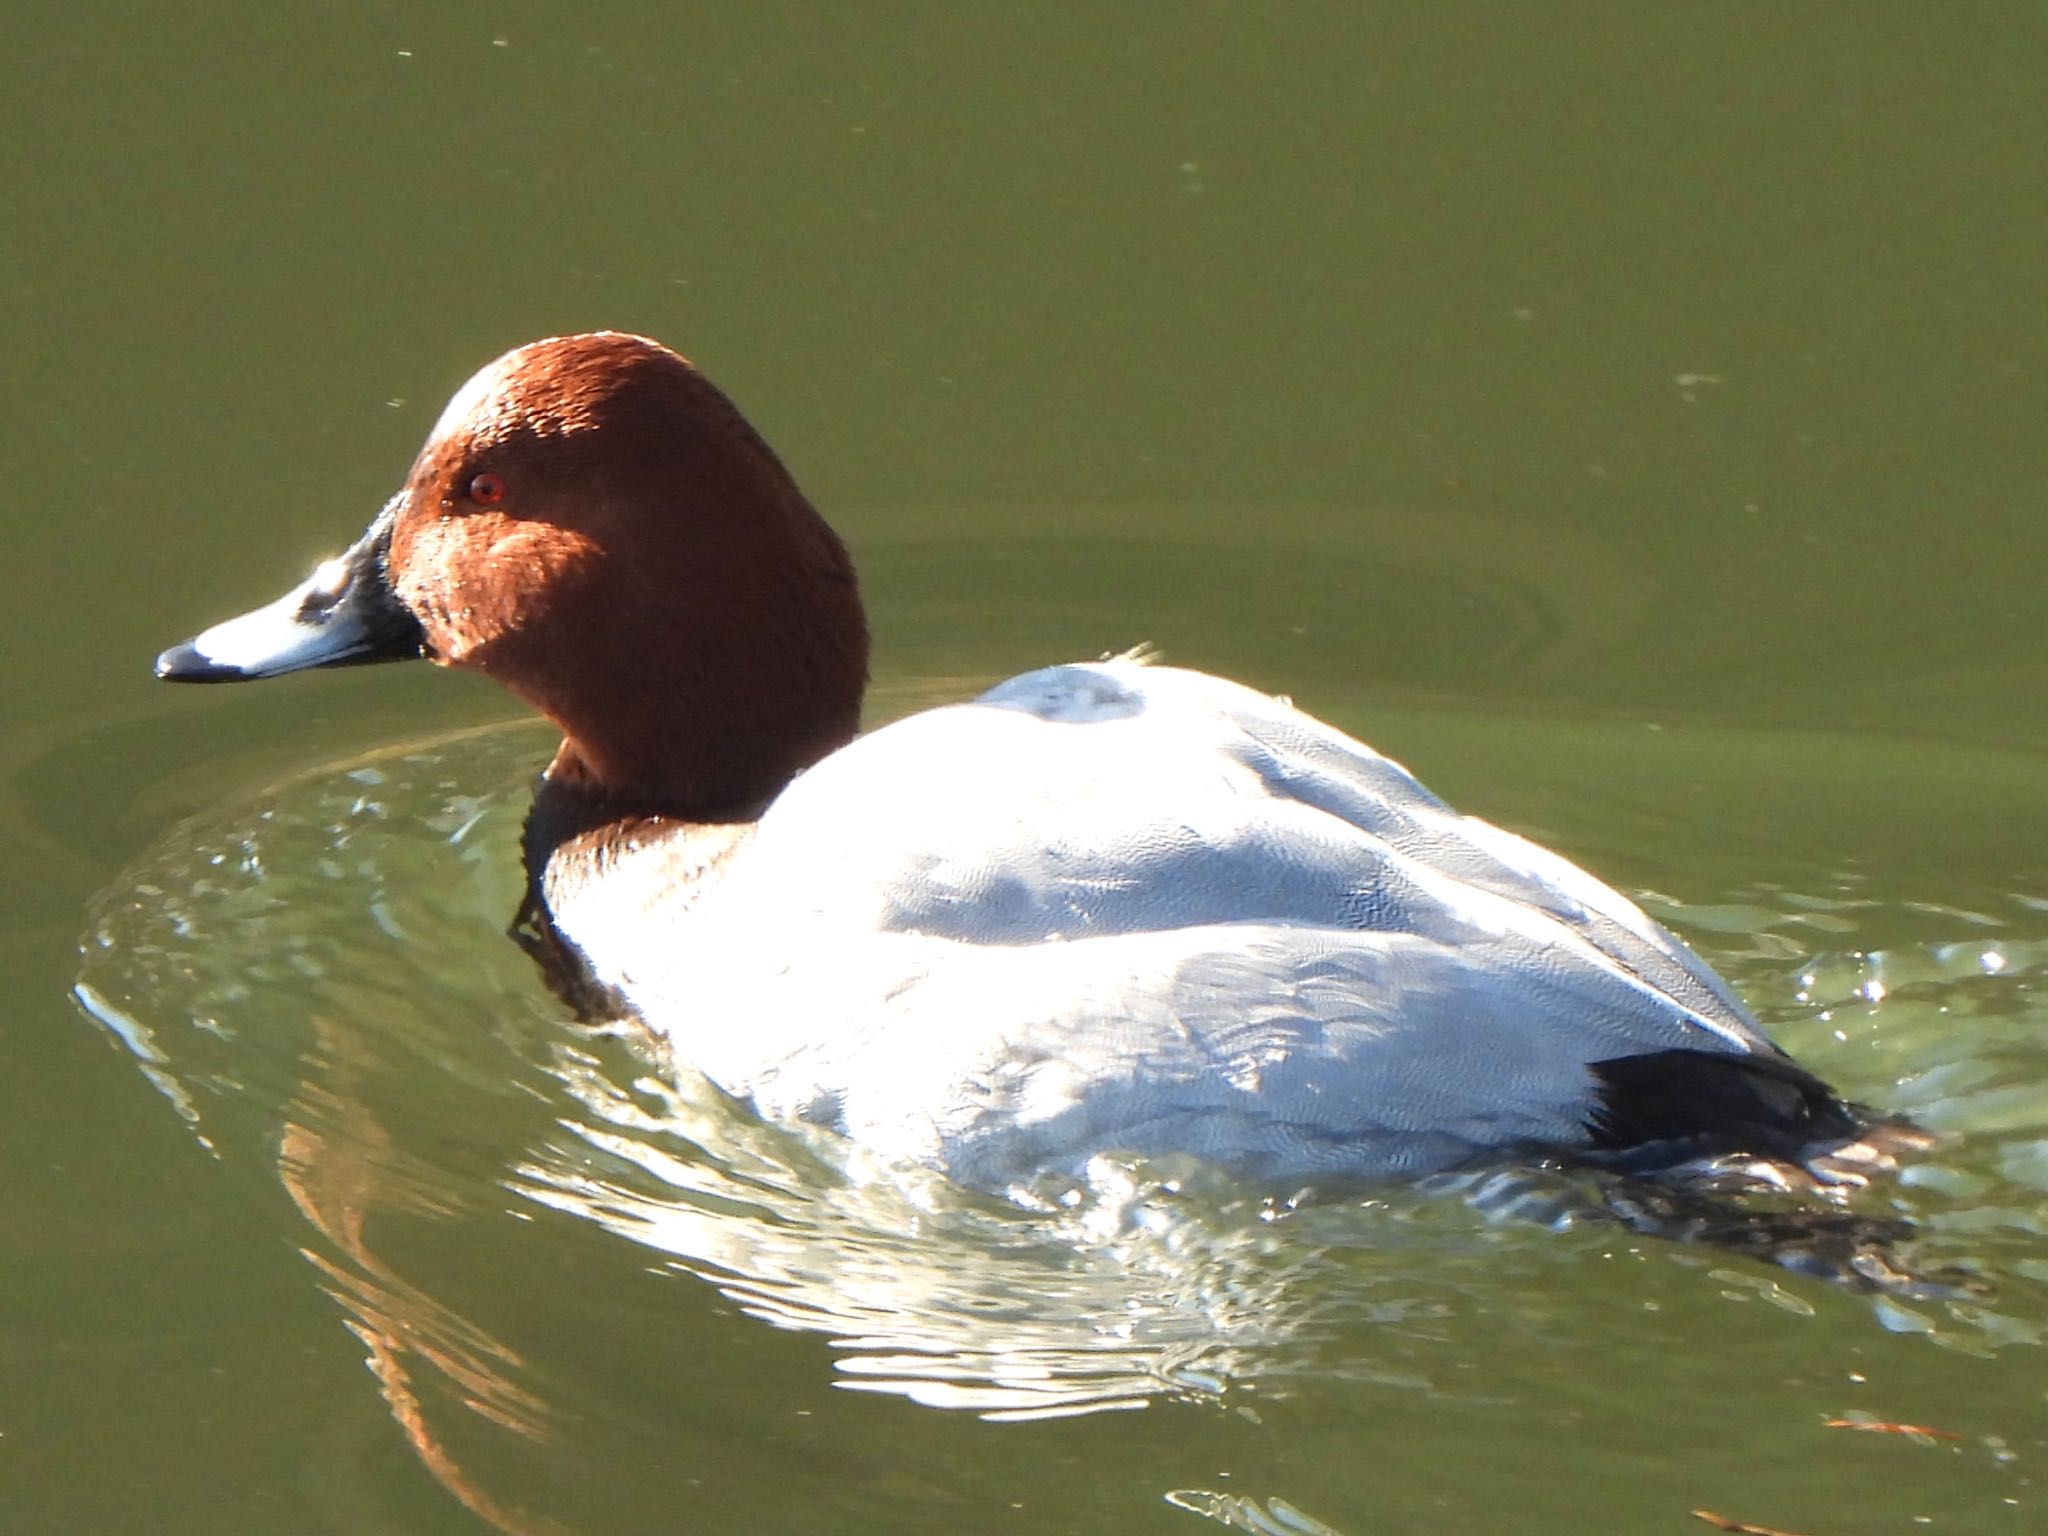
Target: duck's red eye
pixel 487 489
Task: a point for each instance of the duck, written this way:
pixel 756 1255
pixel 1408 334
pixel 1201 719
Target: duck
pixel 1106 907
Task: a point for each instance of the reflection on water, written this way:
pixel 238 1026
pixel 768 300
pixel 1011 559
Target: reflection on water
pixel 1120 1293
pixel 319 984
pixel 1276 1517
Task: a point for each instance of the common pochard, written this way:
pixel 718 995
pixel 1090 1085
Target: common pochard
pixel 1106 906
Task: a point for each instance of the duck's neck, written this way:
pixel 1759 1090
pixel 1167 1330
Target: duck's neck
pixel 708 686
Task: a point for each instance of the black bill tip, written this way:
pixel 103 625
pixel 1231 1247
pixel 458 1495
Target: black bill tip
pixel 186 663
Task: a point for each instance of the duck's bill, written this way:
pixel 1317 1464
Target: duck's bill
pixel 342 615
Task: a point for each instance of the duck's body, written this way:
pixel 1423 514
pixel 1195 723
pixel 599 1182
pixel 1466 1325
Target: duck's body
pixel 1104 907
pixel 1117 906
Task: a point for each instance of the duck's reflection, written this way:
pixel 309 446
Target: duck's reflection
pixel 342 1171
pixel 1099 1293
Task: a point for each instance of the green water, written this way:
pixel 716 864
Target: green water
pixel 1626 415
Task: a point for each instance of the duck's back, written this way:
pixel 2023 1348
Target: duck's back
pixel 1121 907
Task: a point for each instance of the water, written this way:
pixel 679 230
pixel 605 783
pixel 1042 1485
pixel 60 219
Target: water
pixel 1628 418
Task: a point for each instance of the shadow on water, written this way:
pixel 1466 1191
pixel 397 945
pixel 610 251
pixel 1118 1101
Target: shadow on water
pixel 316 980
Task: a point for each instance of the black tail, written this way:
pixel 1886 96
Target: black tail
pixel 1671 1107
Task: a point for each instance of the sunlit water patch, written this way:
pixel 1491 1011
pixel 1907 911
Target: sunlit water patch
pixel 318 982
pixel 1950 1029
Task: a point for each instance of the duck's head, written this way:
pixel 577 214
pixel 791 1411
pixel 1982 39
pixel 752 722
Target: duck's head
pixel 592 523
